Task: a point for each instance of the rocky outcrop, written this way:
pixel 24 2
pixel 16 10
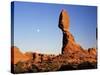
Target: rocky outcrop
pixel 69 44
pixel 70 49
pixel 92 51
pixel 17 56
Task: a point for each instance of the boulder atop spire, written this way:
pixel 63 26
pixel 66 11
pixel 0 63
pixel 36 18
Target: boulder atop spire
pixel 69 44
pixel 64 21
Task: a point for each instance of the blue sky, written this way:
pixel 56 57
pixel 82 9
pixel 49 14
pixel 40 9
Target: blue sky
pixel 36 26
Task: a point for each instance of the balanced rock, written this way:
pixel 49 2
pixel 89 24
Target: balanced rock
pixel 69 44
pixel 64 21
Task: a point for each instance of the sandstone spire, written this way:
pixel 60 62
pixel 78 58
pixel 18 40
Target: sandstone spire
pixel 69 44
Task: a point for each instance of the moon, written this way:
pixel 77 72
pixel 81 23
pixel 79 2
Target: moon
pixel 38 30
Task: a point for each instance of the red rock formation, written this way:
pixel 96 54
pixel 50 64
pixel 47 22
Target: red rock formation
pixel 69 44
pixel 37 58
pixel 29 55
pixel 64 21
pixel 92 51
pixel 17 56
pixel 70 49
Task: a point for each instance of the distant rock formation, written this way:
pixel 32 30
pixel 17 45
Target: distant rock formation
pixel 92 51
pixel 17 56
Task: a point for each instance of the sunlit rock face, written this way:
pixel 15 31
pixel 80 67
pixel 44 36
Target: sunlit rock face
pixel 64 21
pixel 17 55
